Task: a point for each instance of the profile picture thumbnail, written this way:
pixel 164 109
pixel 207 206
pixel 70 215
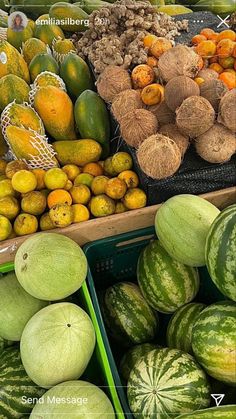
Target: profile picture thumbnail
pixel 17 21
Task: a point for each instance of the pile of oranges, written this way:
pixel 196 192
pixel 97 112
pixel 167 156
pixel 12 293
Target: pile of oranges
pixel 218 51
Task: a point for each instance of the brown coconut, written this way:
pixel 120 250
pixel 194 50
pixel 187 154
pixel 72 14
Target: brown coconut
pixel 172 131
pixel 208 74
pixel 112 81
pixel 178 89
pixel 227 110
pixel 159 157
pixel 213 90
pixel 195 116
pixel 163 114
pixel 137 125
pixel 179 61
pixel 217 145
pixel 125 102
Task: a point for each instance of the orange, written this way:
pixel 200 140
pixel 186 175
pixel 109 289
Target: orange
pixel 229 79
pixel 3 165
pixel 227 62
pixel 197 39
pixel 94 169
pixel 230 70
pixel 80 194
pixel 152 94
pixel 39 174
pixel 225 48
pixel 216 67
pixel 234 51
pixel 208 33
pixel 199 80
pixel 235 65
pixel 59 196
pixel 226 34
pixel 149 39
pixel 80 213
pixel 160 46
pixel 72 171
pixel 152 62
pixel 206 48
pixel 115 188
pixel 130 178
pixel 142 75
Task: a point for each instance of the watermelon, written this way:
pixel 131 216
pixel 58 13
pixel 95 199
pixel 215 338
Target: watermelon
pixel 179 331
pixel 133 355
pixel 16 308
pixel 128 317
pixel 165 283
pixel 83 400
pixel 214 341
pixel 182 224
pixel 166 383
pixel 16 386
pixel 57 344
pixel 220 412
pixel 221 251
pixel 50 266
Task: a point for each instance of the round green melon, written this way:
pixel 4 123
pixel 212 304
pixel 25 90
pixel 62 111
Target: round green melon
pixel 13 88
pixel 220 412
pixel 16 308
pixel 50 266
pixel 133 355
pixel 214 341
pixel 42 62
pixel 179 331
pixel 128 317
pixel 164 282
pixel 16 387
pixel 166 383
pixel 182 224
pixel 221 251
pixel 83 400
pixel 57 344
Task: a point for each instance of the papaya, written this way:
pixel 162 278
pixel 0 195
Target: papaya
pixel 17 38
pixel 92 119
pixel 12 88
pixel 32 8
pixel 21 116
pixel 56 110
pixel 47 32
pixel 31 147
pixel 76 75
pixel 90 5
pixel 48 79
pixel 3 5
pixel 65 13
pixel 3 145
pixel 32 24
pixel 79 152
pixel 62 47
pixel 33 47
pixel 12 62
pixel 42 62
pixel 3 21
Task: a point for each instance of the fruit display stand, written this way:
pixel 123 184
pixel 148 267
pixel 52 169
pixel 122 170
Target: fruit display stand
pixel 98 370
pixel 112 225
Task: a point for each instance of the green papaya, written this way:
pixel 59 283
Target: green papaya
pixel 32 8
pixel 90 5
pixel 18 38
pixel 42 62
pixel 70 17
pixel 92 119
pixel 3 22
pixel 76 75
pixel 218 7
pixel 47 32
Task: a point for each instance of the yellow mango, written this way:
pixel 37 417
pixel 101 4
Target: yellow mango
pixel 79 152
pixel 12 62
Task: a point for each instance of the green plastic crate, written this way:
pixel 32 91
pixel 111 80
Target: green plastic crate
pixel 98 371
pixel 115 259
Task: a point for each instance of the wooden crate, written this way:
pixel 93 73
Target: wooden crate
pixel 115 224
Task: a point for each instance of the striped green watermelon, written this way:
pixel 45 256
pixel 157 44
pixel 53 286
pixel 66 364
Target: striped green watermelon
pixel 221 251
pixel 15 386
pixel 182 224
pixel 165 283
pixel 179 331
pixel 166 383
pixel 5 343
pixel 221 412
pixel 128 316
pixel 133 355
pixel 214 341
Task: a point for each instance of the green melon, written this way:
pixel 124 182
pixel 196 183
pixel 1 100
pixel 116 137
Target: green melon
pixel 76 74
pixel 50 266
pixel 182 225
pixel 128 317
pixel 179 331
pixel 16 386
pixel 166 383
pixel 57 344
pixel 221 251
pixel 42 62
pixel 221 412
pixel 133 355
pixel 214 341
pixel 12 88
pixel 165 283
pixel 16 308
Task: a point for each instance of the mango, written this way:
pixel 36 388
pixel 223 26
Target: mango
pixel 79 152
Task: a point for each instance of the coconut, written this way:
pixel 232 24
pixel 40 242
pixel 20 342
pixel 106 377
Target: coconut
pixel 163 114
pixel 159 156
pixel 208 74
pixel 213 90
pixel 172 131
pixel 179 61
pixel 217 145
pixel 125 102
pixel 195 116
pixel 227 110
pixel 137 125
pixel 113 80
pixel 178 89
